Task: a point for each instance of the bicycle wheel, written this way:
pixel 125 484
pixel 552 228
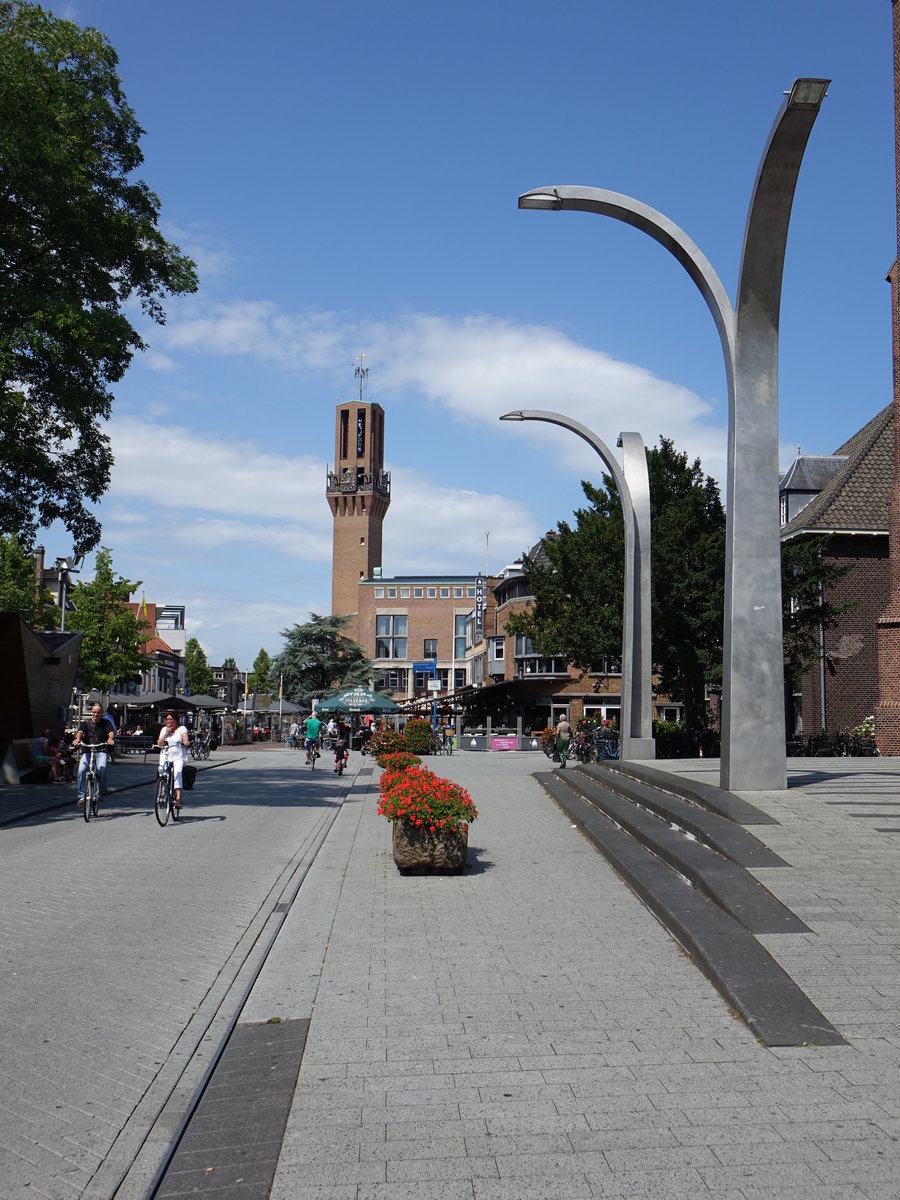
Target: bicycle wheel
pixel 93 795
pixel 204 750
pixel 88 789
pixel 161 800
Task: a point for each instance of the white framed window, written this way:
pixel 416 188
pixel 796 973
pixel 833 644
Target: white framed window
pixel 431 593
pixel 404 593
pixel 392 593
pixel 445 593
pixel 390 635
pixel 458 593
pixel 470 593
pixel 379 593
pixel 418 593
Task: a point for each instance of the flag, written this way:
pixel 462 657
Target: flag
pixel 143 610
pixel 281 687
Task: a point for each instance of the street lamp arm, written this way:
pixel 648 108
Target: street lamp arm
pixel 661 229
pixel 555 418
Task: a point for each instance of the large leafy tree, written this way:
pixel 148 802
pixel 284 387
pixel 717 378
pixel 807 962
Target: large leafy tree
pixel 197 674
pixel 577 579
pixel 260 678
pixel 78 239
pixel 19 590
pixel 318 659
pixel 807 575
pixel 111 649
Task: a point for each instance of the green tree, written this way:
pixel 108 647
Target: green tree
pixel 229 664
pixel 19 591
pixel 807 574
pixel 260 678
pixel 111 649
pixel 318 659
pixel 79 238
pixel 197 674
pixel 577 580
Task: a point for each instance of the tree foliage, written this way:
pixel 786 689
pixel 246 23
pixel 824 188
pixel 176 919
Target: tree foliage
pixel 111 649
pixel 19 588
pixel 318 659
pixel 260 678
pixel 577 580
pixel 806 576
pixel 78 238
pixel 197 674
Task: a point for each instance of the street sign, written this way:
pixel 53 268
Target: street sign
pixel 433 685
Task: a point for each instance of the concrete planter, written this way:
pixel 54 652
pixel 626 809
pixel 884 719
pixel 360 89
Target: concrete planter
pixel 416 848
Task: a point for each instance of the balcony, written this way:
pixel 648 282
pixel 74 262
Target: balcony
pixel 351 479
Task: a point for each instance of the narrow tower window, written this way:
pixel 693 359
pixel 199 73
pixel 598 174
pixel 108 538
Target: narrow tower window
pixel 360 433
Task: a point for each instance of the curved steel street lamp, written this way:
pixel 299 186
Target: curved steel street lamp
pixel 753 664
pixel 634 494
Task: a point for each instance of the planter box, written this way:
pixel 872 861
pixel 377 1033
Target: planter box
pixel 416 848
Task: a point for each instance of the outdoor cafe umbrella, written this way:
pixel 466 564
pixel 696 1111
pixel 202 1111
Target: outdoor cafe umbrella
pixel 359 700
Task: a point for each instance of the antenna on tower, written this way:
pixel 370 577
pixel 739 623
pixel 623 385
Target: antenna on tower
pixel 362 375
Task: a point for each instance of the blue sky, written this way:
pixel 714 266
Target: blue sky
pixel 346 177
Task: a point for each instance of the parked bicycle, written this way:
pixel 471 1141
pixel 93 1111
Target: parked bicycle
pixel 201 744
pixel 606 745
pixel 164 802
pixel 91 784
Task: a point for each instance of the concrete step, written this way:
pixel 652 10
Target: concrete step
pixel 745 974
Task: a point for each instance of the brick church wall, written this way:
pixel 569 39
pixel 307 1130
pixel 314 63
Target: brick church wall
pixel 851 673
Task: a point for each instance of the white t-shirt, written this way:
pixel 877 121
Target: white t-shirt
pixel 177 748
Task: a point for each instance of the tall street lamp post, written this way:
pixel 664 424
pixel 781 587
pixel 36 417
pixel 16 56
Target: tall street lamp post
pixel 633 486
pixel 753 664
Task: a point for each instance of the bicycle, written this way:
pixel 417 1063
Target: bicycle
pixel 606 747
pixel 313 752
pixel 91 785
pixel 164 802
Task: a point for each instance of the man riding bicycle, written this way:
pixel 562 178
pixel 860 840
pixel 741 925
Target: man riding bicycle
pixel 98 731
pixel 313 729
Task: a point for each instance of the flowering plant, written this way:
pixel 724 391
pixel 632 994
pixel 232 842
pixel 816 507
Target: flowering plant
pixel 419 797
pixel 418 735
pixel 386 741
pixel 399 760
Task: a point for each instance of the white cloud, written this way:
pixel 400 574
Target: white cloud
pixel 476 368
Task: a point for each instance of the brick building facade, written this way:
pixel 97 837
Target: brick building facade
pixel 887 710
pixel 840 690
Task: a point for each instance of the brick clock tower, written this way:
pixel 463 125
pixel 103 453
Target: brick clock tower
pixel 359 492
pixel 887 710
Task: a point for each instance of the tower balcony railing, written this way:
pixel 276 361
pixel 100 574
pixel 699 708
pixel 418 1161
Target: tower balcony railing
pixel 350 480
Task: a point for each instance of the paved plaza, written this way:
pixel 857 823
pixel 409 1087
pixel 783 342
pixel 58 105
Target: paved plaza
pixel 525 1030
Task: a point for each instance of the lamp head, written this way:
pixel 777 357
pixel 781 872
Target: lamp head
pixel 807 93
pixel 513 416
pixel 544 198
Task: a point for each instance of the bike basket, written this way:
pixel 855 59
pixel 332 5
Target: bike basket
pixel 188 775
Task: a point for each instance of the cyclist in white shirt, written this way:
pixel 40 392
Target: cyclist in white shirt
pixel 175 736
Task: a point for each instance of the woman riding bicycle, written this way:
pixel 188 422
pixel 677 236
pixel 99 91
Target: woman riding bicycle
pixel 175 736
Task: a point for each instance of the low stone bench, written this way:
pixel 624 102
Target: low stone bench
pixel 17 766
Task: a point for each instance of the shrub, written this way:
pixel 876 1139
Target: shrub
pixel 673 740
pixel 418 736
pixel 418 797
pixel 399 760
pixel 386 741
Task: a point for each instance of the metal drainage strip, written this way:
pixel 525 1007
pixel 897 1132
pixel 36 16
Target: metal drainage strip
pixel 234 1137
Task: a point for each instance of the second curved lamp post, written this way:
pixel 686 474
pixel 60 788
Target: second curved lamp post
pixel 753 729
pixel 636 734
